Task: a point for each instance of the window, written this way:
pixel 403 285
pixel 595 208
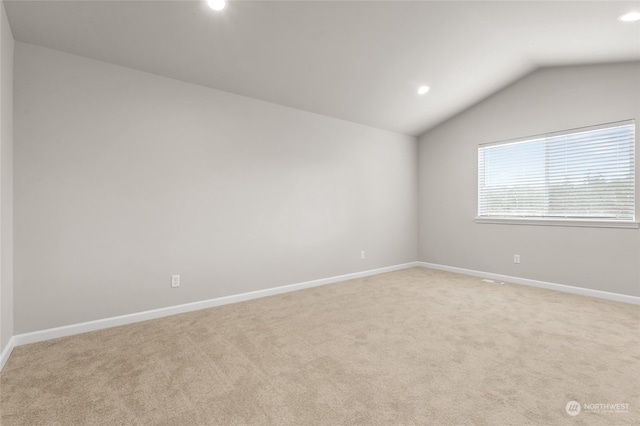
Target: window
pixel 585 176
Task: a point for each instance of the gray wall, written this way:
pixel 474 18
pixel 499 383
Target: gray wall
pixel 6 180
pixel 123 178
pixel 548 100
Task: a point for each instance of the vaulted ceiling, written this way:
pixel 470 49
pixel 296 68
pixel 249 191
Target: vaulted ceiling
pixel 360 61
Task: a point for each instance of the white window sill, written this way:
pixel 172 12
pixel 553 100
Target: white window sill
pixel 589 223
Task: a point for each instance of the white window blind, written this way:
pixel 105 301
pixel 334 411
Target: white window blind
pixel 586 173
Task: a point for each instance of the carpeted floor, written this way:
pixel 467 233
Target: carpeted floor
pixel 410 347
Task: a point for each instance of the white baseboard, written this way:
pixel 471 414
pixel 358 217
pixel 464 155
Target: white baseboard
pixel 53 333
pixel 534 283
pixel 68 330
pixel 6 352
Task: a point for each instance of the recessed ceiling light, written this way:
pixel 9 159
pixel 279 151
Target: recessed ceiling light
pixel 217 4
pixel 630 17
pixel 423 89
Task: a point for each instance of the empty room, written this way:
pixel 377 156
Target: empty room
pixel 259 212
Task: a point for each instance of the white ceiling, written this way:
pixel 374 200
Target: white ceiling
pixel 360 61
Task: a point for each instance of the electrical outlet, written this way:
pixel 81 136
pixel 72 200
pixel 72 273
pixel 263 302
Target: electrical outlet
pixel 362 254
pixel 516 258
pixel 175 280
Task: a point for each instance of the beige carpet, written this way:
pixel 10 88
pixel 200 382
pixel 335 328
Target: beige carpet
pixel 416 346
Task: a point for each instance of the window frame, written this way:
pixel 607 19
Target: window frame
pixel 560 221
